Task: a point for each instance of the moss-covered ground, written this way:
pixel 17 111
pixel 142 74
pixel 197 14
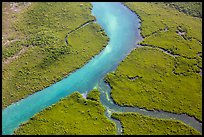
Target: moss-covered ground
pixel 72 115
pixel 42 28
pixel 137 124
pixel 152 79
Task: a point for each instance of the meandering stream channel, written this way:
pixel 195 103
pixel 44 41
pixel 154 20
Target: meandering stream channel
pixel 122 27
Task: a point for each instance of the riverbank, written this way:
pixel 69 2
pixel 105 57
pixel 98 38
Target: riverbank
pixel 73 115
pixel 35 68
pixel 162 82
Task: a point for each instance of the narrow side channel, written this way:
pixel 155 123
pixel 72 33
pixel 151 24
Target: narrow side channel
pixel 108 102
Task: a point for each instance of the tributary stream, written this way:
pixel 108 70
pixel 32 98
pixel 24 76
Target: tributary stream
pixel 122 27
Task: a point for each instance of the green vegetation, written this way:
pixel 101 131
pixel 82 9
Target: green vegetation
pixel 72 115
pixel 94 95
pixel 179 46
pixel 10 12
pixel 189 8
pixel 10 43
pixel 186 67
pixel 58 18
pixel 10 50
pixel 137 124
pixel 42 27
pixel 156 17
pixel 150 78
pixel 146 79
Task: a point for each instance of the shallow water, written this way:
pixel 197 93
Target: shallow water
pixel 121 25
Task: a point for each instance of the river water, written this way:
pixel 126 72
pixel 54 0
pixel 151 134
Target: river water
pixel 122 27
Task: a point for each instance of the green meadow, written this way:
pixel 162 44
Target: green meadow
pixel 137 124
pixel 73 115
pixel 162 74
pixel 42 29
